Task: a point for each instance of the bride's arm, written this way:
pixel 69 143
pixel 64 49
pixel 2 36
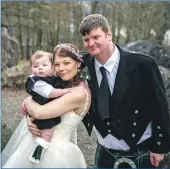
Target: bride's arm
pixel 57 107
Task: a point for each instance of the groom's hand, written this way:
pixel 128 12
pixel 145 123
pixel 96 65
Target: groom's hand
pixel 156 158
pixel 32 127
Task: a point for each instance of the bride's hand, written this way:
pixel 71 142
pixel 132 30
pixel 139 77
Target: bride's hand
pixel 24 108
pixel 32 127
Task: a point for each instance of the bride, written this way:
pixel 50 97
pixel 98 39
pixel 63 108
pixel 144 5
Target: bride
pixel 72 107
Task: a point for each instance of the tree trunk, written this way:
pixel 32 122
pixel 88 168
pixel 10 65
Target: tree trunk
pixel 20 30
pixel 94 6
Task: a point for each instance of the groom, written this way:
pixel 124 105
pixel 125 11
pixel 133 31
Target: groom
pixel 129 108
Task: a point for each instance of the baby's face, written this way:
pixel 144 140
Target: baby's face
pixel 42 67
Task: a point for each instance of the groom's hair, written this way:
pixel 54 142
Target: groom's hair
pixel 93 21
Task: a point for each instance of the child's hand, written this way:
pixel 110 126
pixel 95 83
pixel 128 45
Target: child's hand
pixel 68 90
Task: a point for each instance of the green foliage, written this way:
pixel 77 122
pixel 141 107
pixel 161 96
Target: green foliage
pixel 21 62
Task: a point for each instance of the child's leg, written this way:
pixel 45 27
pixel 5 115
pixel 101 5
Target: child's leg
pixel 47 134
pixel 43 143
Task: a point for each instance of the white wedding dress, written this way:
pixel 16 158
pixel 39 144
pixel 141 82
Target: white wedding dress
pixel 62 153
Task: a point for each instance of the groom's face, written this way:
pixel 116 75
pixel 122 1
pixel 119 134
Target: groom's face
pixel 97 41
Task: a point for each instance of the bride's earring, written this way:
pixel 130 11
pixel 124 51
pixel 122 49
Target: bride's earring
pixel 78 70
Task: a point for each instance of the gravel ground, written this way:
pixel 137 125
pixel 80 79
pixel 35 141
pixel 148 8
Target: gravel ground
pixel 11 116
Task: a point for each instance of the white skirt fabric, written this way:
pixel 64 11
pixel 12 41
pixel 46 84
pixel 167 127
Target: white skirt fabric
pixel 58 155
pixel 62 153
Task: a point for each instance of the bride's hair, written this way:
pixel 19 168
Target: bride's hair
pixel 69 50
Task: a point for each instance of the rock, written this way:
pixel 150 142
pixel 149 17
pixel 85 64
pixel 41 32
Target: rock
pixel 10 49
pixel 15 76
pixel 166 79
pixel 14 52
pixel 164 61
pixel 166 162
pixel 142 46
pixel 157 51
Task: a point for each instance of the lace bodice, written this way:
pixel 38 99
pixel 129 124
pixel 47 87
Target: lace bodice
pixel 68 125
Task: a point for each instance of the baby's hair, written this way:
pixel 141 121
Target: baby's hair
pixel 38 54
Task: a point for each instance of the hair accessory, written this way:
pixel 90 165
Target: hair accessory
pixel 72 51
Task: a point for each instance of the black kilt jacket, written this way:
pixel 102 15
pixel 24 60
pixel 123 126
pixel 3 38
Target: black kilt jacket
pixel 138 98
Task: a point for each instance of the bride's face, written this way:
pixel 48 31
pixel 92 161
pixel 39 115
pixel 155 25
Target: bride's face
pixel 65 67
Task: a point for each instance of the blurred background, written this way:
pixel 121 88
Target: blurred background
pixel 30 26
pixel 42 25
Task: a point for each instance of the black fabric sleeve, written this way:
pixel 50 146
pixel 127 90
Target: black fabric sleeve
pixel 160 113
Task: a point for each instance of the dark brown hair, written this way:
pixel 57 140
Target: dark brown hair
pixel 93 21
pixel 67 49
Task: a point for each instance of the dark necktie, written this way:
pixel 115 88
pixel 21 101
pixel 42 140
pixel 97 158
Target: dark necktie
pixel 103 95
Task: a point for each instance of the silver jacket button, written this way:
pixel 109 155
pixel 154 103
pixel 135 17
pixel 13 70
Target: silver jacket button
pixel 158 143
pixel 133 135
pixel 136 111
pixel 108 123
pixel 160 135
pixel 134 124
pixel 158 127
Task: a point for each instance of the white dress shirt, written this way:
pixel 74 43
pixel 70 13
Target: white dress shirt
pixel 42 88
pixel 111 67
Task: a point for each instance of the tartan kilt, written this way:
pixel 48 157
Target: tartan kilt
pixel 107 158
